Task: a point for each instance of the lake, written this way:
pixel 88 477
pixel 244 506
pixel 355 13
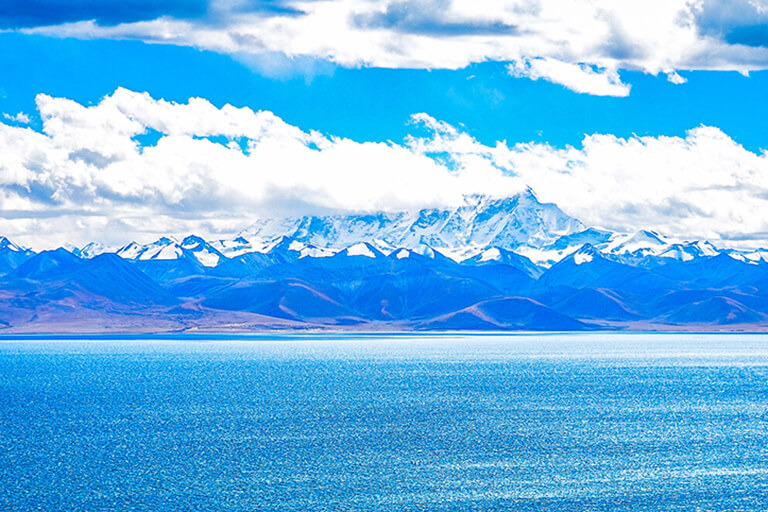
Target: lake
pixel 636 422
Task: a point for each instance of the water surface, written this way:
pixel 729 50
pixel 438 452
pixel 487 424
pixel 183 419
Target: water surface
pixel 531 422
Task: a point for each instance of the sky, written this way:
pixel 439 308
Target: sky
pixel 132 121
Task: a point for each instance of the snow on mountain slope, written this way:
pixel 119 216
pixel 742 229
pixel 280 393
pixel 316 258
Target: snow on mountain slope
pixel 241 245
pixel 165 248
pixel 308 250
pixel 12 255
pixel 579 258
pixel 363 249
pixel 202 251
pixel 360 249
pixel 755 257
pixel 168 249
pixel 507 223
pixel 7 245
pixel 91 250
pixel 689 251
pixel 497 256
pixel 548 255
pixel 539 232
pixel 629 248
pixel 642 243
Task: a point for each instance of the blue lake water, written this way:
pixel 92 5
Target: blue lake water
pixel 423 423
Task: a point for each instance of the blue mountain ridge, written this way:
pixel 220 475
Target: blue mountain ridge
pixel 600 281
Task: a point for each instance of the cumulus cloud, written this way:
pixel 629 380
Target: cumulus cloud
pixel 701 186
pixel 564 41
pixel 213 171
pixel 86 176
pixel 579 78
pixel 741 22
pixel 19 117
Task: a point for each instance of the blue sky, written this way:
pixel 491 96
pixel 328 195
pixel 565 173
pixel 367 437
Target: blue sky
pixel 626 116
pixel 374 104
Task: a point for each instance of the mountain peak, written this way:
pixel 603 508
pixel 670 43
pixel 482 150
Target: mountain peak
pixel 192 241
pixel 483 220
pixel 362 249
pixel 91 250
pixel 640 243
pixel 7 245
pixel 586 254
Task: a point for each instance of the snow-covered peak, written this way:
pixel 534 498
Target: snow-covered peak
pixel 586 254
pixel 706 248
pixel 361 249
pixel 91 250
pixel 483 230
pixel 130 251
pixel 642 243
pixel 166 251
pixel 760 256
pixel 756 256
pixel 7 245
pixel 565 246
pixel 192 242
pixel 202 251
pixel 689 251
pixel 481 222
pixel 168 248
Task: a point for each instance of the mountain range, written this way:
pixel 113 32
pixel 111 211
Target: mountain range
pixel 490 264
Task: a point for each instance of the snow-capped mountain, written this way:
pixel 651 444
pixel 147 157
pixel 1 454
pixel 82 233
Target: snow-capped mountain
pixel 7 245
pixel 168 248
pixel 641 243
pixel 688 251
pixel 593 279
pixel 756 256
pixel 630 248
pixel 482 222
pixel 202 251
pixel 240 245
pixel 165 248
pixel 484 229
pixel 12 255
pixel 498 256
pixel 91 250
pixel 362 249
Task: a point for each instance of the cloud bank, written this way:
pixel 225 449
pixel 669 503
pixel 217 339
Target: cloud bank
pixel 701 186
pixel 581 44
pixel 134 167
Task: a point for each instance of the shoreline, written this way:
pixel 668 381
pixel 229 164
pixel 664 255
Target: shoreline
pixel 345 335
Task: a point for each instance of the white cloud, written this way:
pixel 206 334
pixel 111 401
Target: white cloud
pixel 560 40
pixel 578 78
pixel 675 78
pixel 20 117
pixel 85 177
pixel 214 170
pixel 701 186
